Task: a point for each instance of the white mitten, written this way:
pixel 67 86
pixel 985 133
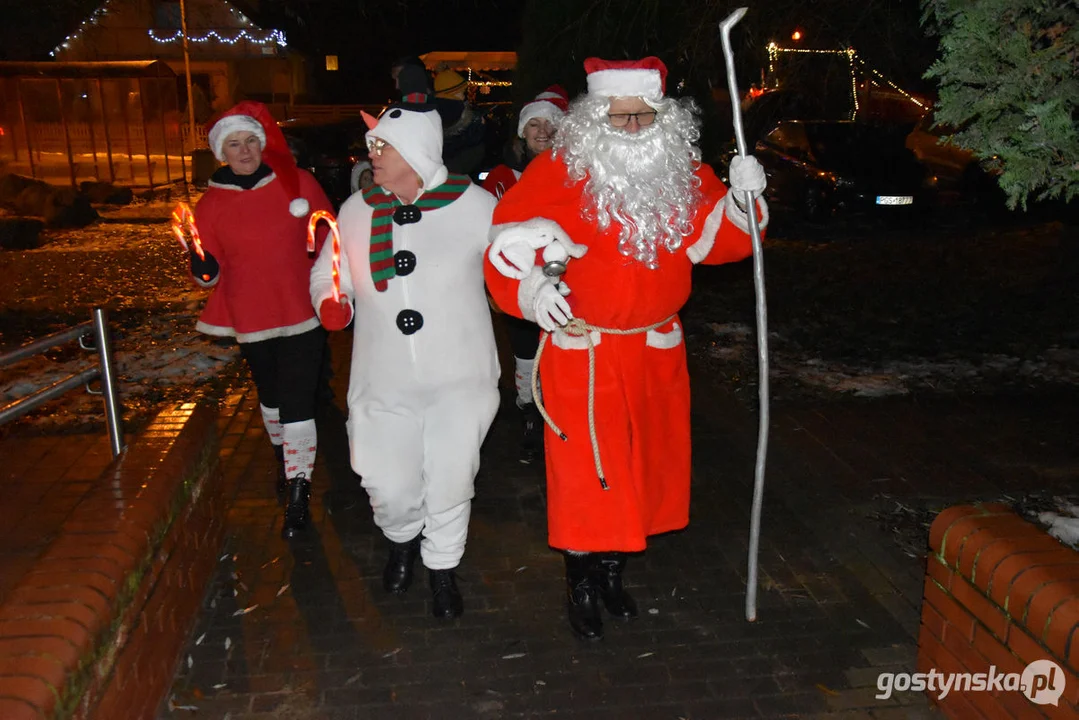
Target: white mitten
pixel 513 251
pixel 542 302
pixel 562 249
pixel 747 174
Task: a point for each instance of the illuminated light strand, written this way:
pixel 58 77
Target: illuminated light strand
pixel 183 225
pixel 274 36
pixel 101 11
pixel 852 57
pixel 335 235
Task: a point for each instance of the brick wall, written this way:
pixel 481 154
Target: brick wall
pixel 999 592
pixel 95 629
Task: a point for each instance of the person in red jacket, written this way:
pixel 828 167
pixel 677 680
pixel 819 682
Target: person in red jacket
pixel 596 243
pixel 253 224
pixel 536 127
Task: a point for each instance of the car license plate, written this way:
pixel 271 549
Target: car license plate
pixel 895 199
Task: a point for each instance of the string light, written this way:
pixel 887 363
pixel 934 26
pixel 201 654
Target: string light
pixel 272 37
pixel 853 59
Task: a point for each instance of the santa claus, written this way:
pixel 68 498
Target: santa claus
pixel 596 243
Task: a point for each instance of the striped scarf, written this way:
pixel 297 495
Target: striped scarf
pixel 384 205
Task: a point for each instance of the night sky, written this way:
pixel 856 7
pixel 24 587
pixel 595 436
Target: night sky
pixel 366 36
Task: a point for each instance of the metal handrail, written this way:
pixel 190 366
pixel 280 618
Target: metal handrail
pixel 99 327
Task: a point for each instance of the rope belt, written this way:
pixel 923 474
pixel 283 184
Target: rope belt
pixel 577 327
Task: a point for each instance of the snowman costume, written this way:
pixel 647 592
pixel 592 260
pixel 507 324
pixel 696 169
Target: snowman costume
pixel 423 387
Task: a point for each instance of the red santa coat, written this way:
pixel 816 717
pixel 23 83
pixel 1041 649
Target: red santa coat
pixel 263 287
pixel 641 380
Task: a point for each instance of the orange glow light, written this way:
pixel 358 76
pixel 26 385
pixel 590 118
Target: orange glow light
pixel 183 226
pixel 796 35
pixel 335 236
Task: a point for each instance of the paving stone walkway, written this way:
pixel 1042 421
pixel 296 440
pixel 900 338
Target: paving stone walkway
pixel 304 631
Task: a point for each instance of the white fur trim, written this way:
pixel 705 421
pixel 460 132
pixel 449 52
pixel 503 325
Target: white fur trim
pixel 562 341
pixel 230 124
pixel 625 83
pixel 740 218
pixel 287 331
pixel 539 231
pixel 699 250
pixel 664 340
pixel 299 207
pixel 538 109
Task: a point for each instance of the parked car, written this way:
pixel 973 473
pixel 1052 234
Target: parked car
pixel 328 150
pixel 823 168
pixel 958 174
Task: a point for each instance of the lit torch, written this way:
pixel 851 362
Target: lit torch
pixel 183 224
pixel 335 235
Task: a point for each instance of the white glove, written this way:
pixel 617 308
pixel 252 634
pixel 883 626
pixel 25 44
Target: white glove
pixel 543 302
pixel 513 252
pixel 747 174
pixel 550 307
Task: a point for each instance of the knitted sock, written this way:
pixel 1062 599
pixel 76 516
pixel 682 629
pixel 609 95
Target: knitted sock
pixel 301 441
pixel 522 378
pixel 271 418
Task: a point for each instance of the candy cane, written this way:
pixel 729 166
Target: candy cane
pixel 183 219
pixel 336 240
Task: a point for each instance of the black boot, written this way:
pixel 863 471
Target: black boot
pixel 445 597
pixel 397 575
pixel 582 599
pixel 299 494
pixel 607 575
pixel 282 479
pixel 531 434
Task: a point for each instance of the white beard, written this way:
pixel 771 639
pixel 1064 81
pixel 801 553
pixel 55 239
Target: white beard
pixel 644 182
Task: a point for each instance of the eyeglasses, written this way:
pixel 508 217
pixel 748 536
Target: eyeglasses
pixel 375 146
pixel 644 119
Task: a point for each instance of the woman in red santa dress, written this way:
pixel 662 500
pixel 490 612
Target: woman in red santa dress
pixel 627 208
pixel 253 225
pixel 536 127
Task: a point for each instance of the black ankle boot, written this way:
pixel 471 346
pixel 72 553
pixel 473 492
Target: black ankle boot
pixel 299 494
pixel 531 434
pixel 446 599
pixel 607 576
pixel 397 575
pixel 582 600
pixel 282 479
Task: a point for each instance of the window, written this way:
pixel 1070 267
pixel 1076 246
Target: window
pixel 167 14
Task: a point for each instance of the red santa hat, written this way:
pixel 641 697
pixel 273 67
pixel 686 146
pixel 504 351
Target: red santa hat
pixel 550 104
pixel 255 117
pixel 645 78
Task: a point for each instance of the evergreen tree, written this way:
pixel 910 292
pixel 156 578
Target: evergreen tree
pixel 1008 83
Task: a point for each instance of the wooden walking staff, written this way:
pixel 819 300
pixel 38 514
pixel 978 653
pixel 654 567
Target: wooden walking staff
pixel 335 235
pixel 762 326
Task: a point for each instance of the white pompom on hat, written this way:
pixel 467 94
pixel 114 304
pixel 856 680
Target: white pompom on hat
pixel 645 78
pixel 255 117
pixel 550 104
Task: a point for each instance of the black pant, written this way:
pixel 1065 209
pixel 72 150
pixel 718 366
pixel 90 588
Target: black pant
pixel 524 337
pixel 286 372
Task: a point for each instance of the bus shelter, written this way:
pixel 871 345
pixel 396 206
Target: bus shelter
pixel 68 122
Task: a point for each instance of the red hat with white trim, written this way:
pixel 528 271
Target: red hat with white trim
pixel 254 117
pixel 645 78
pixel 550 104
